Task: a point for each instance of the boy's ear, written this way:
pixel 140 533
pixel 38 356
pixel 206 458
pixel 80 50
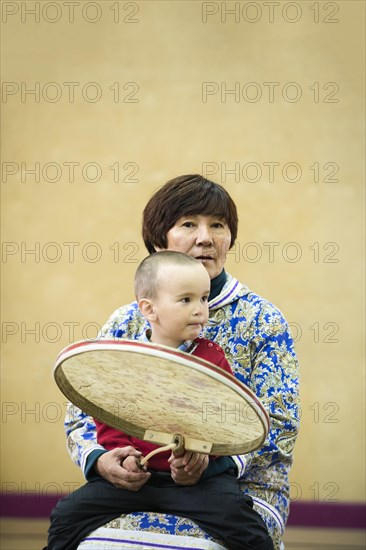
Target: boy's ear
pixel 147 309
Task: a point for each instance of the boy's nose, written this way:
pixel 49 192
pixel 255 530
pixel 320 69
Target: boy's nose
pixel 199 310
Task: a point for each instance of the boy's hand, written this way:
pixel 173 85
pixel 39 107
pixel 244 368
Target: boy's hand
pixel 131 464
pixel 110 466
pixel 188 468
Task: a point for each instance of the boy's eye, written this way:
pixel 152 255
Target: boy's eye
pixel 204 298
pixel 186 300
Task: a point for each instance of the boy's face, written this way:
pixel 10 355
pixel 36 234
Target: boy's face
pixel 180 306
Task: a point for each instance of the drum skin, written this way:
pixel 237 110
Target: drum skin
pixel 156 393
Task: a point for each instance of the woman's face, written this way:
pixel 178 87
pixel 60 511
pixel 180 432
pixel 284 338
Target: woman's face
pixel 206 238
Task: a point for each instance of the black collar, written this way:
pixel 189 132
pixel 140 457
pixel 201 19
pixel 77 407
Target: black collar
pixel 217 285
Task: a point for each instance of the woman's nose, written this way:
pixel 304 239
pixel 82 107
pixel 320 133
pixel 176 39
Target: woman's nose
pixel 204 236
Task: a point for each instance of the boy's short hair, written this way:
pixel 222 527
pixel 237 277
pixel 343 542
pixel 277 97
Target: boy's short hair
pixel 188 195
pixel 146 276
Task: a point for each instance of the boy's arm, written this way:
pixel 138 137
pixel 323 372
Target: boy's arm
pixel 221 464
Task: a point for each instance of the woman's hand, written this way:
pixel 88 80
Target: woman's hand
pixel 187 469
pixel 111 466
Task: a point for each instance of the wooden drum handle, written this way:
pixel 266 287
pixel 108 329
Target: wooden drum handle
pixel 177 447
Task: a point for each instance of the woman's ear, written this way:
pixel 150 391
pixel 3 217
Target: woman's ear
pixel 147 309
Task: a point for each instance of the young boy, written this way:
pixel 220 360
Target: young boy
pixel 172 292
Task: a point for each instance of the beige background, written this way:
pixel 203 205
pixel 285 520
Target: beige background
pixel 161 53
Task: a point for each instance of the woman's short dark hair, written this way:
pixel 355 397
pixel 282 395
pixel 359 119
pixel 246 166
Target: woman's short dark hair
pixel 190 195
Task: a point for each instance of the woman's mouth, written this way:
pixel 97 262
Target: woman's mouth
pixel 204 258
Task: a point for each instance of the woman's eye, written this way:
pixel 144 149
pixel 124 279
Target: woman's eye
pixel 218 225
pixel 188 224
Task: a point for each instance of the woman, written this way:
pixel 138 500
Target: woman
pixel 193 215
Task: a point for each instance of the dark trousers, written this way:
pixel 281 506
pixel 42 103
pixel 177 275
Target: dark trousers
pixel 216 505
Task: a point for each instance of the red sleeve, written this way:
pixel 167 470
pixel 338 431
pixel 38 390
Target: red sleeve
pixel 224 364
pixel 111 438
pixel 212 352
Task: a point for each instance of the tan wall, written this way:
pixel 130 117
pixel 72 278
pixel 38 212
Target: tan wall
pixel 166 122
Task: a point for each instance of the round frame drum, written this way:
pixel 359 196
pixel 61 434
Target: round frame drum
pixel 157 393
